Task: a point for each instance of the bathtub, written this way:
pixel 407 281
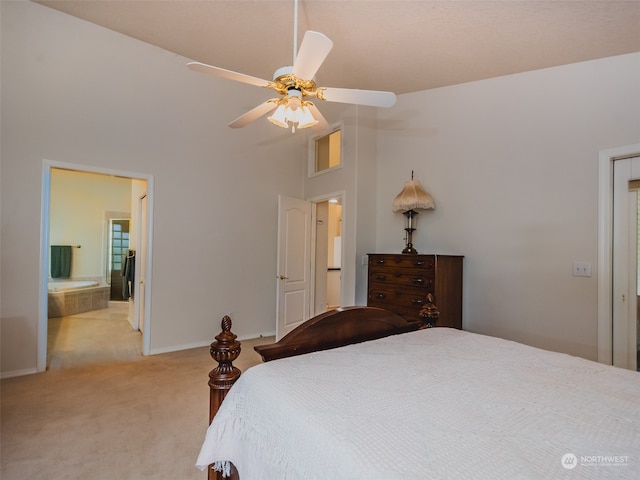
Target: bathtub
pixel 63 285
pixel 68 297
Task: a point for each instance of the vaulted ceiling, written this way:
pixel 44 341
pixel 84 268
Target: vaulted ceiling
pixel 396 45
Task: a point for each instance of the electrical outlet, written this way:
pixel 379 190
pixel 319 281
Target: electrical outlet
pixel 581 269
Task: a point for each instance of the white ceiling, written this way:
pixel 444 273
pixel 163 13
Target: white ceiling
pixel 396 45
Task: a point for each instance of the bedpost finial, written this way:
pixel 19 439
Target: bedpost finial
pixel 224 350
pixel 225 324
pixel 225 337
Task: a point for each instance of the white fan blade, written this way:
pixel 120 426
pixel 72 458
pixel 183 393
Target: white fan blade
pixel 223 73
pixel 253 114
pixel 372 98
pixel 314 49
pixel 322 124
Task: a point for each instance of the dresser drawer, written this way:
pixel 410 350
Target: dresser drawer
pixel 409 298
pixel 404 261
pixel 379 277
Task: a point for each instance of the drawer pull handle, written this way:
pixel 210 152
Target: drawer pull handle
pixel 422 263
pixel 417 301
pixel 380 262
pixel 379 296
pixel 419 281
pixel 381 277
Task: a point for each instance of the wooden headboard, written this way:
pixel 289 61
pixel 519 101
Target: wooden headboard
pixel 337 328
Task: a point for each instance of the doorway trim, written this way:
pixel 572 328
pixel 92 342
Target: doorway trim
pixel 47 166
pixel 605 246
pixel 314 201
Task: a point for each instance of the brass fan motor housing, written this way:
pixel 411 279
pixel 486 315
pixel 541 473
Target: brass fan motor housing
pixel 283 83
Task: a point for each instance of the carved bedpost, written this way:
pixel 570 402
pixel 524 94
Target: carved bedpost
pixel 224 351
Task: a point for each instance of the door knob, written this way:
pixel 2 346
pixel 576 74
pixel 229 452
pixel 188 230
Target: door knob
pixel 282 277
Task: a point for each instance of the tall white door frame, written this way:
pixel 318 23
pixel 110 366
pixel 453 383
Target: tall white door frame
pixel 605 246
pixel 302 305
pixel 48 165
pixel 625 262
pixel 141 265
pixel 314 241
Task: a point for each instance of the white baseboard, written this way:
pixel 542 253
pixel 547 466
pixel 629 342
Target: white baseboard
pixel 258 335
pixel 18 373
pixel 177 348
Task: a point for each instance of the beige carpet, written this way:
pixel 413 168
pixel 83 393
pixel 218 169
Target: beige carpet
pixel 92 337
pixel 109 415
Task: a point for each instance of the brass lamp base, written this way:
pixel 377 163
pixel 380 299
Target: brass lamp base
pixel 410 214
pixel 409 248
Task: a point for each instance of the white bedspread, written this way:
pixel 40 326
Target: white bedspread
pixel 451 405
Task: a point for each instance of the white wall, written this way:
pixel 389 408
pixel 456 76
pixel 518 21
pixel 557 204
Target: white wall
pixel 512 164
pixel 74 92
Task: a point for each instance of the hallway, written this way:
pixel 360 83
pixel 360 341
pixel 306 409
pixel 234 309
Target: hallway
pixel 92 337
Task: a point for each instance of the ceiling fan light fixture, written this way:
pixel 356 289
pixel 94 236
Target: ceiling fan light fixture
pixel 293 112
pixel 294 99
pixel 305 118
pixel 279 117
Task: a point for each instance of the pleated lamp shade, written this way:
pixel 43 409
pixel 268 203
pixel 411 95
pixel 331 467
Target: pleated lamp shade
pixel 413 197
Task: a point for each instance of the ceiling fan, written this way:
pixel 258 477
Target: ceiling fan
pixel 295 84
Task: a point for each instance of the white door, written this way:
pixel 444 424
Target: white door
pixel 624 263
pixel 294 264
pixel 142 261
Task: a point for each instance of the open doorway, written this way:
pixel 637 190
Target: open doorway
pixel 86 208
pixel 328 255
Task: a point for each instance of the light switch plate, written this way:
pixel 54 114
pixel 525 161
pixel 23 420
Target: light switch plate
pixel 581 269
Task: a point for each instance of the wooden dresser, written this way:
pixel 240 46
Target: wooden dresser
pixel 401 282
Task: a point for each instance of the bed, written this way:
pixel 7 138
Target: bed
pixel 405 402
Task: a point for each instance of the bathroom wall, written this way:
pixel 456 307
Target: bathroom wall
pixel 79 205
